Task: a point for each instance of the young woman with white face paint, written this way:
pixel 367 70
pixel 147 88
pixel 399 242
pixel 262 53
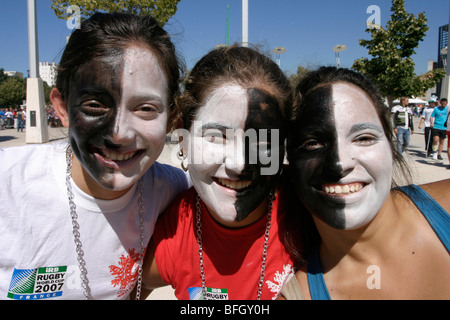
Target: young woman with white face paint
pixel 373 242
pixel 219 240
pixel 87 207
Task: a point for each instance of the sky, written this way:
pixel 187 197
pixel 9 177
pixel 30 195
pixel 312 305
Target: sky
pixel 307 29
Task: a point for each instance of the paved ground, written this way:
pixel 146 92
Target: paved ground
pixel 424 169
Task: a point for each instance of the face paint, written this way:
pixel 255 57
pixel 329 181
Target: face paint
pixel 342 161
pixel 224 137
pixel 118 116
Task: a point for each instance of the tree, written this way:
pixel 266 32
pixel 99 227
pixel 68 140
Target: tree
pixel 301 72
pixel 392 67
pixel 161 10
pixel 3 75
pixel 12 92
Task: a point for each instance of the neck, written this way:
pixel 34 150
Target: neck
pixel 254 216
pixel 88 185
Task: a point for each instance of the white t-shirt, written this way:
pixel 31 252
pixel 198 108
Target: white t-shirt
pixel 38 258
pixel 426 115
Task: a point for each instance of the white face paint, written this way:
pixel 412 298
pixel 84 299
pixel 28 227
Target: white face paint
pixel 364 152
pixel 120 116
pixel 230 187
pixel 344 160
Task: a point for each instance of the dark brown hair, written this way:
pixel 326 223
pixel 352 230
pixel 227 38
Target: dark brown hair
pixel 245 66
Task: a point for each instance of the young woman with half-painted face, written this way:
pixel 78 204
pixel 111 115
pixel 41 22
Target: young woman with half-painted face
pixel 342 162
pixel 91 202
pixel 235 126
pixel 115 98
pixel 233 112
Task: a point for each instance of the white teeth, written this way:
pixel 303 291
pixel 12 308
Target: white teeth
pixel 118 156
pixel 342 189
pixel 238 185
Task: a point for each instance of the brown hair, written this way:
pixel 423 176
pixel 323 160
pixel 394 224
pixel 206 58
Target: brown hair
pixel 245 66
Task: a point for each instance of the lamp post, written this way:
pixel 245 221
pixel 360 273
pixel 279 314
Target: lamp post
pixel 36 121
pixel 245 23
pixel 338 49
pixel 278 51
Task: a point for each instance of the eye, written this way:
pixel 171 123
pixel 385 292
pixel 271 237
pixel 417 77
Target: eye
pixel 94 108
pixel 214 136
pixel 366 140
pixel 311 145
pixel 146 111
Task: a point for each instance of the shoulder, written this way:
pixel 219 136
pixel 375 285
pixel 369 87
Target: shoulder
pixel 439 191
pixel 176 217
pixel 36 155
pixel 164 173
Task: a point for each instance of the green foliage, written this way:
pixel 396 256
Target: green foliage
pixel 391 48
pixel 3 76
pixel 12 92
pixel 161 10
pixel 301 72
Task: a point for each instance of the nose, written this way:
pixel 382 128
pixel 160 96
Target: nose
pixel 121 130
pixel 235 155
pixel 340 160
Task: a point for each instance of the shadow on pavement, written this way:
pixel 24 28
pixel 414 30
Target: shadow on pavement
pixel 6 138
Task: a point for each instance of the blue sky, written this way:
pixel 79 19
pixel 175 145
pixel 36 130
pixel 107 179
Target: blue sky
pixel 307 29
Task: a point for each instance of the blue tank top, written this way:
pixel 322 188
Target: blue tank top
pixel 436 216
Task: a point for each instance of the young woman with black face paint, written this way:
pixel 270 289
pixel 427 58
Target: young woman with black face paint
pixel 219 240
pixel 80 213
pixel 373 242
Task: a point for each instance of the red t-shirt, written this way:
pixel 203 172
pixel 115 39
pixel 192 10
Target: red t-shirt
pixel 232 257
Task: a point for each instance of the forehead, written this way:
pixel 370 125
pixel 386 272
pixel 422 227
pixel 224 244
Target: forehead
pixel 112 72
pixel 351 103
pixel 227 105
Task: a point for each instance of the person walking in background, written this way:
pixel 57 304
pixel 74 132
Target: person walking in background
pixel 403 124
pixel 448 138
pixel 438 128
pixel 20 119
pixel 425 119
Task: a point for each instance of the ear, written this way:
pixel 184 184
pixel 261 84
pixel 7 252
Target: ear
pixel 60 106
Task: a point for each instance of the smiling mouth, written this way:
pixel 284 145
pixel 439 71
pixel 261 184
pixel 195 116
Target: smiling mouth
pixel 111 156
pixel 116 156
pixel 342 189
pixel 238 185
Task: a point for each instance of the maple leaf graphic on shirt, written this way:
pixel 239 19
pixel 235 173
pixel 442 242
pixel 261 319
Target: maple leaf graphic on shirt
pixel 126 273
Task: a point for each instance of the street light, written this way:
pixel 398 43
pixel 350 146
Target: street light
pixel 338 49
pixel 245 23
pixel 278 51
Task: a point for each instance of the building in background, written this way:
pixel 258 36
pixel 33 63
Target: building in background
pixel 48 72
pixel 14 74
pixel 442 43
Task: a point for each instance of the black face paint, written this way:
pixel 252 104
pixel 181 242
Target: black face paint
pixel 266 119
pixel 93 100
pixel 314 155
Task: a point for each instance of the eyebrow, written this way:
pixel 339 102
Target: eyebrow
pixel 364 126
pixel 215 125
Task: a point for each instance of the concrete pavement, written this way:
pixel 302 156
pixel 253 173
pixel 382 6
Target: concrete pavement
pixel 424 169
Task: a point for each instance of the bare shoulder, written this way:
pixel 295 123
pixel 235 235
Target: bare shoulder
pixel 439 191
